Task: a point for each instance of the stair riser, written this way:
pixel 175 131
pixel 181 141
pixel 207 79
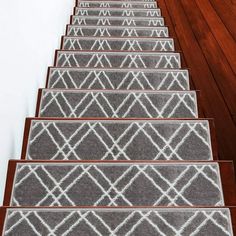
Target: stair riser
pixel 143 140
pixel 117 4
pixel 118 60
pixel 116 184
pixel 110 21
pixel 118 79
pixel 90 31
pixel 107 44
pixel 117 12
pixel 139 222
pixel 122 104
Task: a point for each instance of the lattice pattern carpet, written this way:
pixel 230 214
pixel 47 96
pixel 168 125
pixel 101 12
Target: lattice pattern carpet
pixel 119 140
pixel 117 184
pixel 136 222
pixel 118 104
pixel 137 79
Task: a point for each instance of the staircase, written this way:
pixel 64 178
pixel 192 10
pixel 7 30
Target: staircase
pixel 118 145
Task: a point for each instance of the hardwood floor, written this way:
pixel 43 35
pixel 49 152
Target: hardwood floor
pixel 205 32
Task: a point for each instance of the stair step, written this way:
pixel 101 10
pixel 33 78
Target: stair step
pixel 117 104
pixel 115 184
pixel 117 4
pixel 92 78
pixel 118 139
pixel 118 31
pixel 117 59
pixel 118 221
pixel 117 21
pixel 117 12
pixel 117 44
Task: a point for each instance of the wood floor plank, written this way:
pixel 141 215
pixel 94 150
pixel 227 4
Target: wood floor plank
pixel 219 30
pixel 225 11
pixel 217 61
pixel 213 101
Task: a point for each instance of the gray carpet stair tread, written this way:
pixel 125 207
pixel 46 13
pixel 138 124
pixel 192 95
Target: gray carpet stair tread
pixel 117 4
pixel 117 184
pixel 117 44
pixel 117 21
pixel 117 104
pixel 117 59
pixel 117 12
pixel 139 140
pixel 138 222
pixel 92 78
pixel 118 31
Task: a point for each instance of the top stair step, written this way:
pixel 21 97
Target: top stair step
pixel 117 12
pixel 117 4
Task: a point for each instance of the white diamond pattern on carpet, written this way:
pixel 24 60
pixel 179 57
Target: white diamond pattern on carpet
pixel 117 4
pixel 117 21
pixel 131 60
pixel 119 44
pixel 70 78
pixel 117 12
pixel 139 222
pixel 118 104
pixel 117 184
pixel 119 140
pixel 118 31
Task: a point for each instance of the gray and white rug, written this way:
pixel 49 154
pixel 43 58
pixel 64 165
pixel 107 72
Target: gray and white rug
pixel 120 222
pixel 117 4
pixel 117 21
pixel 117 31
pixel 136 79
pixel 117 12
pixel 131 60
pixel 117 184
pixel 119 140
pixel 117 44
pixel 118 104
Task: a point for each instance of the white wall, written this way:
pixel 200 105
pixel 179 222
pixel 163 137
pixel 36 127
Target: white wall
pixel 30 31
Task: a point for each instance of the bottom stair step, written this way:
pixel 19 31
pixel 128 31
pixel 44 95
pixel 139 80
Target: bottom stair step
pixel 116 184
pixel 121 221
